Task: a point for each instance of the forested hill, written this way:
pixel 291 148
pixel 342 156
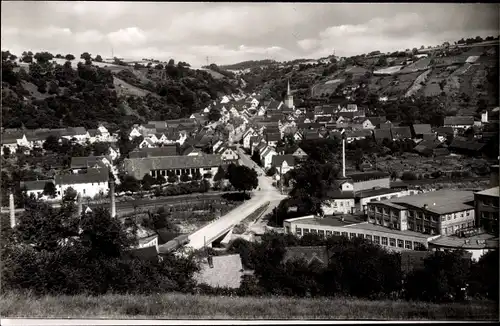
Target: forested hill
pixel 39 91
pixel 248 64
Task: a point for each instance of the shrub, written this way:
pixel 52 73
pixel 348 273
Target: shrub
pixel 207 175
pixel 185 178
pixel 407 175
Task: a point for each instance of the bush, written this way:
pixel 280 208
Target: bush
pixel 207 176
pixel 408 176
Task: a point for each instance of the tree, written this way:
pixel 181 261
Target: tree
pixel 312 181
pixel 185 177
pixel 220 174
pixel 51 144
pixel 271 172
pixel 6 152
pixel 53 88
pixel 98 58
pixel 69 57
pixel 159 66
pixel 49 189
pixel 214 115
pixel 69 195
pixel 173 178
pixel 243 178
pixel 147 182
pixel 130 183
pixel 86 56
pixel 43 57
pixel 160 180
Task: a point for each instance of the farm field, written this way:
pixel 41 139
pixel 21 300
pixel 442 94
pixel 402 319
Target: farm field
pixel 124 88
pixel 188 306
pixel 389 70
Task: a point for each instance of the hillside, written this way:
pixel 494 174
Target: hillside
pixel 463 77
pixel 182 306
pixel 248 64
pixel 52 93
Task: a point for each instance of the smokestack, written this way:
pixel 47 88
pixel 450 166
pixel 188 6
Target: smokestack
pixel 79 208
pixel 12 210
pixel 343 154
pixel 112 197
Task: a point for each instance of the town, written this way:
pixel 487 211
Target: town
pixel 373 176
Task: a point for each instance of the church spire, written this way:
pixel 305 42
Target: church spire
pixel 288 88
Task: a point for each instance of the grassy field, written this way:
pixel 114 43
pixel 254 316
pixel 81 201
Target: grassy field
pixel 183 306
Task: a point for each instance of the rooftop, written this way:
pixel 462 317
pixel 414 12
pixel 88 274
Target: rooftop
pixel 329 221
pixel 480 241
pixel 379 228
pixel 443 201
pixel 375 192
pixel 494 192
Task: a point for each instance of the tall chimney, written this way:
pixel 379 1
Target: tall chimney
pixel 343 154
pixel 12 210
pixel 79 205
pixel 112 197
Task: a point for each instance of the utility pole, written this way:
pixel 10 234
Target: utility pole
pixel 207 61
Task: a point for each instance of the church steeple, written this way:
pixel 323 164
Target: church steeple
pixel 288 88
pixel 289 96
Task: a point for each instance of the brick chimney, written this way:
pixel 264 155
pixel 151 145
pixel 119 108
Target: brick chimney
pixel 112 197
pixel 12 210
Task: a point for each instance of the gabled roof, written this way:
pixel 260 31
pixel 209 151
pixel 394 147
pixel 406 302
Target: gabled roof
pixel 309 254
pixel 430 136
pixel 34 185
pixel 139 165
pixel 381 134
pixel 279 159
pixel 86 162
pixel 427 145
pixel 358 133
pixel 273 137
pixel 192 149
pixel 462 144
pixel 274 105
pixel 166 150
pixel 401 132
pixel 441 131
pixel 92 176
pixel 310 134
pixel 337 194
pixel 365 176
pixel 459 120
pixel 421 128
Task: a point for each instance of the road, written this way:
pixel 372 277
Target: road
pixel 266 193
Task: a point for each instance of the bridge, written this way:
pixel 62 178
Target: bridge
pixel 217 228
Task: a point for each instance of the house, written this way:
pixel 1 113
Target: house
pixel 401 133
pixel 266 156
pixel 157 124
pixel 90 184
pixel 192 151
pixel 463 145
pixel 311 135
pixel 418 130
pixel 217 145
pixel 35 188
pixel 113 152
pixel 228 154
pixel 147 143
pixel 377 121
pixel 255 142
pixel 381 134
pixel 155 166
pixel 274 105
pixel 9 141
pixel 84 163
pixel 427 147
pixel 134 133
pixel 79 133
pixel 340 198
pixel 272 139
pixel 283 163
pixel 166 150
pixel 299 154
pixel 357 135
pixel 221 271
pixel 459 122
pixel 310 254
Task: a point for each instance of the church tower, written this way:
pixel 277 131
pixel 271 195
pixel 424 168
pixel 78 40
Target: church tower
pixel 289 97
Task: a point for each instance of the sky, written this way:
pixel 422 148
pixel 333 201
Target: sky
pixel 233 32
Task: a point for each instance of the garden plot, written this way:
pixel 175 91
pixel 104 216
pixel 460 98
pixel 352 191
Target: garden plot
pixel 417 84
pixel 423 63
pixel 388 71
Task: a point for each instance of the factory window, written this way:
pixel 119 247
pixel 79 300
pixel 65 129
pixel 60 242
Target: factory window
pixel 434 218
pixel 494 203
pixel 337 233
pixel 392 242
pixel 344 234
pixel 461 214
pixel 376 239
pixel 368 237
pixel 352 235
pixel 400 243
pixel 321 233
pixel 379 210
pixel 410 214
pixel 314 231
pixel 410 226
pixel 449 216
pixel 486 202
pixel 306 231
pixel 468 213
pixel 384 241
pixel 485 214
pixel 341 204
pixel 408 244
pixel 383 198
pixel 443 218
pixel 298 231
pixel 328 234
pixel 360 235
pixel 84 191
pixel 419 228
